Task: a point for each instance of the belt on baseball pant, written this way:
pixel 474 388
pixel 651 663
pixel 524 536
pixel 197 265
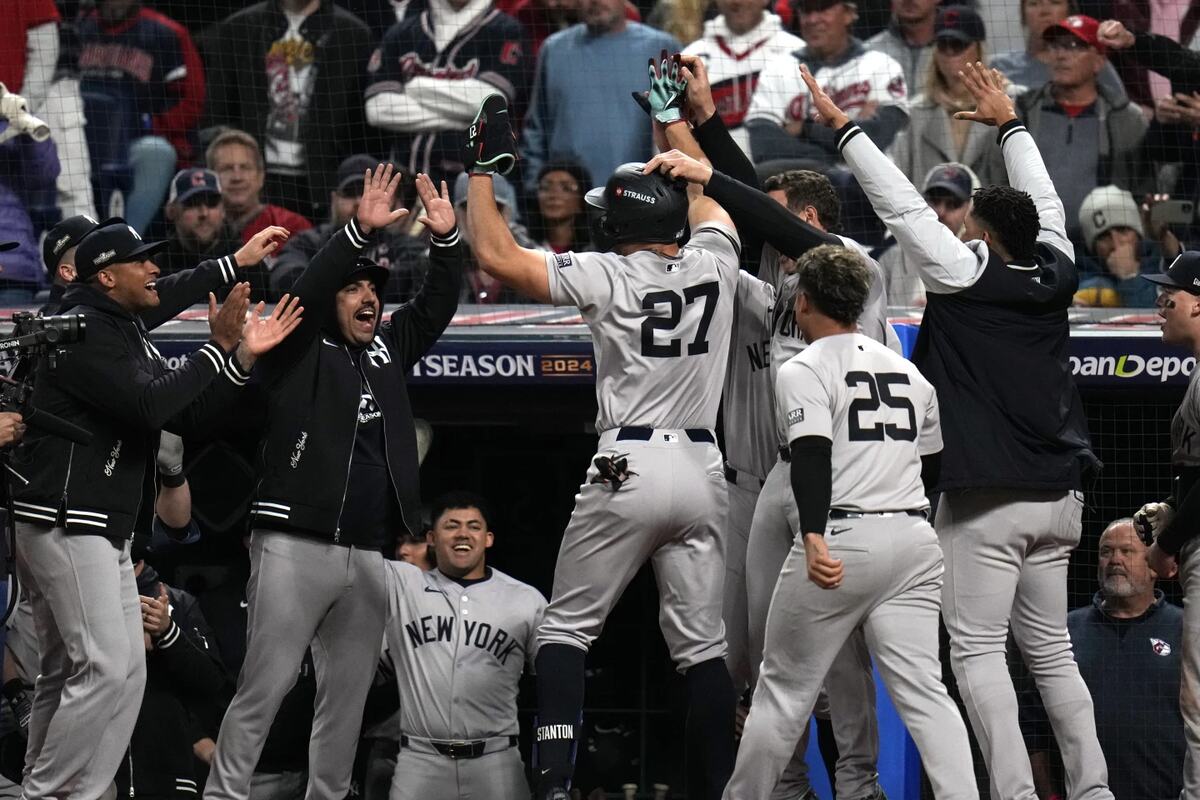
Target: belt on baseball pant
pixel 458 748
pixel 841 513
pixel 646 434
pixel 747 481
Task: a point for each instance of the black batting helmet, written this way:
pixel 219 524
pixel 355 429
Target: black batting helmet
pixel 633 207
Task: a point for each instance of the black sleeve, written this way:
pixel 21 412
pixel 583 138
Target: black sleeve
pixel 754 210
pixel 186 651
pixel 1168 58
pixel 131 393
pixel 881 128
pixel 210 408
pixel 1185 524
pixel 723 152
pixel 188 287
pixel 812 481
pixel 416 325
pixel 931 467
pixel 316 287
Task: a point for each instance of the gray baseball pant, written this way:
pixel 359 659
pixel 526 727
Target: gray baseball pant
pixel 1189 688
pixel 428 776
pixel 92 660
pixel 671 513
pixel 848 698
pixel 891 589
pixel 743 495
pixel 304 592
pixel 1006 557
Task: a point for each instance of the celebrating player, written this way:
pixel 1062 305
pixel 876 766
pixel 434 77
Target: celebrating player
pixel 993 343
pixel 659 316
pixel 856 465
pixel 1172 525
pixel 459 636
pixel 338 476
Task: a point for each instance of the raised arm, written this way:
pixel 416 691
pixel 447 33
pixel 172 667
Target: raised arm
pixel 945 264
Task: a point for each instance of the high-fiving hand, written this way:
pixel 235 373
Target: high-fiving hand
pixel 699 90
pixel 261 245
pixel 379 191
pixel 993 106
pixel 439 211
pixel 667 89
pixel 827 111
pixel 260 334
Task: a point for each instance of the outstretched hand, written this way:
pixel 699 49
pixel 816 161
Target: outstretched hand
pixel 667 90
pixel 827 111
pixel 678 165
pixel 261 245
pixel 993 106
pixel 225 324
pixel 699 90
pixel 260 334
pixel 379 190
pixel 439 211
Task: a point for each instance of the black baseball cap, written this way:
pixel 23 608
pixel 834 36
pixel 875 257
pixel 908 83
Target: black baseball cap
pixel 63 236
pixel 366 268
pixel 1184 273
pixel 821 5
pixel 188 183
pixel 114 242
pixel 352 170
pixel 960 23
pixel 952 178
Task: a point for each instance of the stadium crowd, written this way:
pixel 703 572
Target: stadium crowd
pixel 212 125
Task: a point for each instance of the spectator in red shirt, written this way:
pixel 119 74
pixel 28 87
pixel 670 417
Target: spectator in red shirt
pixel 238 161
pixel 29 48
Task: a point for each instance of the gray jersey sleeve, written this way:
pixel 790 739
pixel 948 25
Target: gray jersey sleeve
pixel 720 240
pixel 803 401
pixel 587 281
pixel 929 440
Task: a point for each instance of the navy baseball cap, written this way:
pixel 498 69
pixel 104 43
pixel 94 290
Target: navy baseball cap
pixel 960 23
pixel 63 236
pixel 366 268
pixel 952 178
pixel 1184 273
pixel 351 171
pixel 188 183
pixel 112 243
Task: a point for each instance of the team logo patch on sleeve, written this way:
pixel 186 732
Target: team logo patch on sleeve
pixel 795 415
pixel 562 260
pixel 1160 647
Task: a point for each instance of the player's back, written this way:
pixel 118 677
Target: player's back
pixel 660 328
pixel 879 412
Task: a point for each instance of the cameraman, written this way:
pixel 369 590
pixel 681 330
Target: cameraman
pixel 77 508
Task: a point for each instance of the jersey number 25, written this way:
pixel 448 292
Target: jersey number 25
pixel 673 348
pixel 880 388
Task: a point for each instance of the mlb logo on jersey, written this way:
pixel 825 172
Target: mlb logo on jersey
pixel 1160 647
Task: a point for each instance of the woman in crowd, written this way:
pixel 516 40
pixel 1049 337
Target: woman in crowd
pixel 559 221
pixel 933 135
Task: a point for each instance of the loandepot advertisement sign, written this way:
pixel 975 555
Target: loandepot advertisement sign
pixel 1099 358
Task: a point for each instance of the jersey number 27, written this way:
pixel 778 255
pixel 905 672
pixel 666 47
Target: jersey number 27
pixel 880 387
pixel 673 348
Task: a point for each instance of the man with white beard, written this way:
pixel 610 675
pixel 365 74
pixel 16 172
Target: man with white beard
pixel 1128 644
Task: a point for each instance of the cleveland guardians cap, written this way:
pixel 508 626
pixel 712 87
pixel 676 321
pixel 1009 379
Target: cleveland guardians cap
pixel 188 183
pixel 351 173
pixel 953 178
pixel 112 243
pixel 960 23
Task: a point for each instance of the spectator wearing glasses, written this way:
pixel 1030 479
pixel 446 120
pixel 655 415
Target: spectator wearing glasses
pixel 1029 68
pixel 197 217
pixel 238 161
pixel 560 220
pixel 933 135
pixel 1088 136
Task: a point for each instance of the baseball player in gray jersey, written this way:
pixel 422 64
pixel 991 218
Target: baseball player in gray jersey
pixel 860 420
pixel 459 637
pixel 660 316
pixel 993 342
pixel 775 524
pixel 1172 524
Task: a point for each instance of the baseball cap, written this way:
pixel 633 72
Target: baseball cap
pixel 1184 273
pixel 63 236
pixel 188 183
pixel 506 195
pixel 821 5
pixel 366 268
pixel 955 178
pixel 960 23
pixel 113 242
pixel 1105 208
pixel 352 170
pixel 5 246
pixel 1084 28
